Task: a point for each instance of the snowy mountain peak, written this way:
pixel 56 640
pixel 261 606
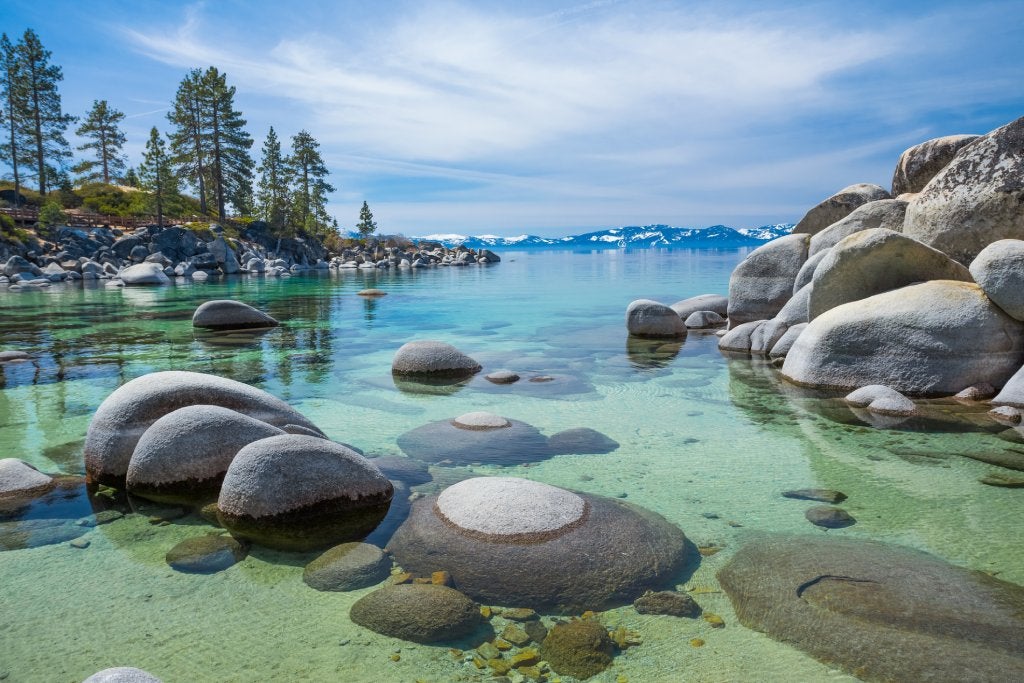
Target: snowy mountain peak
pixel 660 236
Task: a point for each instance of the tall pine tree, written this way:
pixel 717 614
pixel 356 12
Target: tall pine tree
pixel 272 188
pixel 44 122
pixel 13 108
pixel 366 225
pixel 189 147
pixel 105 139
pixel 157 176
pixel 230 144
pixel 310 186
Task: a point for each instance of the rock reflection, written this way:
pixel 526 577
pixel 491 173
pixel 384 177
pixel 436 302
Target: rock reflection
pixel 651 354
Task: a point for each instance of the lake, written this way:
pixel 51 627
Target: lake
pixel 706 441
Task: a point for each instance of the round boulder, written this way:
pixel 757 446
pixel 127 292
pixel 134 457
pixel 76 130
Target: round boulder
pixel 206 554
pixel 884 213
pixel 475 437
pixel 18 478
pixel 878 611
pixel 646 318
pixel 296 492
pixel 837 207
pixel 129 411
pixel 933 338
pixel 581 441
pixel 347 567
pixel 701 320
pixel 882 399
pixel 502 377
pixel 506 540
pixel 227 314
pixel 763 282
pixel 433 358
pixel 183 456
pixel 579 648
pixel 669 603
pixel 144 274
pixel 421 613
pixel 122 674
pixel 829 517
pixel 999 270
pixel 920 163
pixel 976 199
pixel 703 302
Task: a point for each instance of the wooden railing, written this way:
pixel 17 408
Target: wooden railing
pixel 82 219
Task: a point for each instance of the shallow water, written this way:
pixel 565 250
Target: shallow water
pixel 706 441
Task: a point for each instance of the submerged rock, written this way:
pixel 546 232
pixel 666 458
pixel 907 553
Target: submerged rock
pixel 704 302
pixel 508 540
pixel 122 674
pixel 579 648
pixel 668 603
pixel 475 437
pixel 347 567
pixel 502 377
pixel 646 318
pixel 206 554
pixel 432 358
pixel 580 441
pixel 881 612
pixel 883 400
pixel 829 517
pixel 227 314
pixel 421 613
pixel 820 495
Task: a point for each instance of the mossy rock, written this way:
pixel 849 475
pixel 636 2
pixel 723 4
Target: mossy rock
pixel 580 648
pixel 206 554
pixel 421 613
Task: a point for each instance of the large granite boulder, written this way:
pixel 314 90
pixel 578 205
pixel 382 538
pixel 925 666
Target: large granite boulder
pixel 347 567
pixel 932 338
pixel 976 199
pixel 177 243
pixel 763 282
pixel 144 274
pixel 297 492
pixel 183 456
pixel 421 613
pixel 646 318
pixel 432 358
pixel 20 481
pixel 806 273
pixel 513 541
pixel 227 314
pixel 475 437
pixel 738 339
pixel 920 163
pixel 130 410
pixel 999 271
pixel 884 213
pixel 703 302
pixel 881 612
pixel 874 261
pixel 16 265
pixel 837 207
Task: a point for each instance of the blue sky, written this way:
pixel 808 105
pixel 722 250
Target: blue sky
pixel 552 118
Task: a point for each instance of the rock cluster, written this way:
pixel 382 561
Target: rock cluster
pixel 425 255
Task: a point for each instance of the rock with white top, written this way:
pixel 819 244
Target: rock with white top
pixel 122 674
pixel 475 437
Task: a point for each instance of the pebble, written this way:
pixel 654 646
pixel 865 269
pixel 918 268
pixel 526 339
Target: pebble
pixel 502 377
pixel 519 614
pixel 1002 480
pixel 515 635
pixel 829 517
pixel 714 620
pixel 820 495
pixel 80 543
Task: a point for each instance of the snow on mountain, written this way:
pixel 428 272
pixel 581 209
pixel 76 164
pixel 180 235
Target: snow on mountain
pixel 660 236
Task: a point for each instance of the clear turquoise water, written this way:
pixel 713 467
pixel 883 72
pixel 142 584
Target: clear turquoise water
pixel 707 442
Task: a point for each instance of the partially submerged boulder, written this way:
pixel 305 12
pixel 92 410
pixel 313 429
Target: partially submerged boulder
pixel 837 207
pixel 581 440
pixel 922 162
pixel 475 437
pixel 347 567
pixel 227 314
pixel 579 648
pixel 702 320
pixel 933 338
pixel 432 358
pixel 19 478
pixel 763 282
pixel 646 318
pixel 703 302
pixel 421 613
pixel 882 399
pixel 881 612
pixel 738 339
pixel 144 274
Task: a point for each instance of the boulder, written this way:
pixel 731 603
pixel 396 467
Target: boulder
pixel 227 314
pixel 206 554
pixel 14 356
pixel 183 456
pixel 122 674
pixel 19 264
pixel 702 320
pixel 999 271
pixel 502 377
pixel 976 199
pixel 580 441
pixel 1012 393
pixel 17 477
pixel 704 302
pixel 795 310
pixel 144 274
pixel 646 318
pixel 884 213
pixel 669 603
pixel 580 648
pixel 297 492
pixel 837 207
pixel 505 540
pixel 432 358
pixel 829 517
pixel 421 613
pixel 933 338
pixel 347 567
pixel 763 282
pixel 878 611
pixel 786 341
pixel 922 162
pixel 764 337
pixel 122 247
pixel 177 243
pixel 139 254
pixel 129 411
pixel 874 261
pixel 739 337
pixel 475 437
pixel 881 399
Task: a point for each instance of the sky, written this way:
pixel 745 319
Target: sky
pixel 555 118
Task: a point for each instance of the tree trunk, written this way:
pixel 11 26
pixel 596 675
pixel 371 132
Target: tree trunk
pixel 218 169
pixel 199 156
pixel 103 155
pixel 14 146
pixel 37 120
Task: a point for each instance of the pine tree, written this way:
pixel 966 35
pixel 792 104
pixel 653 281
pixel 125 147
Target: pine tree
pixel 105 139
pixel 272 189
pixel 310 186
pixel 230 143
pixel 189 147
pixel 13 108
pixel 366 226
pixel 131 178
pixel 157 174
pixel 44 122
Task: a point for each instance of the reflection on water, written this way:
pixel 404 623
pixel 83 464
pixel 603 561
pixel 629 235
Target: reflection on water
pixel 707 442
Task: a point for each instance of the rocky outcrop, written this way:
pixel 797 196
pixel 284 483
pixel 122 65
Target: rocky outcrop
pixel 919 164
pixel 976 199
pixel 837 207
pixel 884 213
pixel 646 318
pixel 763 282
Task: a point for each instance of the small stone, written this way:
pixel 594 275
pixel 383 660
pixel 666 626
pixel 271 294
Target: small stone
pixel 396 658
pixel 400 578
pixel 696 642
pixel 108 516
pixel 488 651
pixel 441 578
pixel 710 515
pixel 520 614
pixel 977 392
pixel 829 517
pixel 1003 480
pixel 500 666
pixel 478 662
pixel 536 630
pixel 1007 415
pixel 820 495
pixel 486 612
pixel 80 543
pixel 371 292
pixel 422 580
pixel 531 672
pixel 502 377
pixel 708 550
pixel 714 620
pixel 502 644
pixel 668 603
pixel 527 657
pixel 625 638
pixel 515 635
pixel 542 378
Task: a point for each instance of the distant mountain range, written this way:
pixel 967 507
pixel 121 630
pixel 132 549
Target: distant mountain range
pixel 659 236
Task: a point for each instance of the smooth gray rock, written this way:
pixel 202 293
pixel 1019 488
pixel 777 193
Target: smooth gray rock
pixel 296 492
pixel 502 377
pixel 18 477
pixel 999 271
pixel 739 337
pixel 537 546
pixel 881 399
pixel 922 162
pixel 786 341
pixel 884 213
pixel 881 612
pixel 703 302
pixel 183 456
pixel 763 282
pixel 454 441
pixel 13 356
pixel 122 674
pixel 932 338
pixel 420 613
pixel 795 310
pixel 976 392
pixel 144 274
pixel 227 314
pixel 976 199
pixel 1012 392
pixel 806 274
pixel 581 440
pixel 874 261
pixel 206 554
pixel 432 358
pixel 646 318
pixel 19 264
pixel 347 567
pixel 702 320
pixel 837 207
pixel 765 336
pixel 130 410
